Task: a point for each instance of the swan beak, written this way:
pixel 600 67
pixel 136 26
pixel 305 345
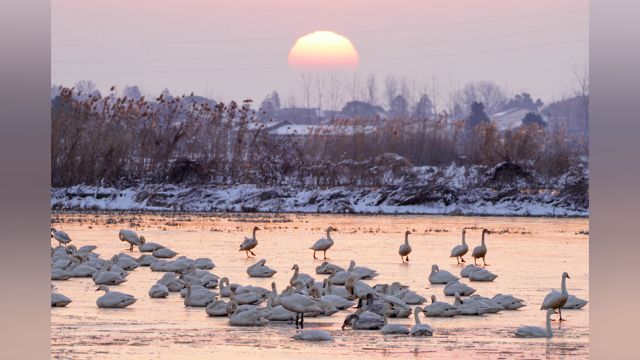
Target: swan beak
pixel 568 277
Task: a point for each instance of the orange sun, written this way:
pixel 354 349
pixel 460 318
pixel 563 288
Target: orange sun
pixel 323 49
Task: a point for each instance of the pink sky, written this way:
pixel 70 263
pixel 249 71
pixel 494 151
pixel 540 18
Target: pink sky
pixel 238 49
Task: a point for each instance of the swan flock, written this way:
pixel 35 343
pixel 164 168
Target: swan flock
pixel 305 295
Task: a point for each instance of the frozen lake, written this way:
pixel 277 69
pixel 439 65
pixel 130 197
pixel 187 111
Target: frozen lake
pixel 528 255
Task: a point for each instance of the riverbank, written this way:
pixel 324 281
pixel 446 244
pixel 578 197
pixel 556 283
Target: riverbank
pixel 408 199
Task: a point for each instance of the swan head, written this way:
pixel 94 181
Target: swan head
pixel 433 298
pixel 331 228
pixel 348 321
pixel 435 267
pixel 485 231
pixel 407 232
pixel 103 288
pixel 255 228
pixel 566 275
pixel 142 240
pixel 295 267
pixel 464 231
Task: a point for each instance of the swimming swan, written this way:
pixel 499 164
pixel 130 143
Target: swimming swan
pixel 113 299
pixel 537 332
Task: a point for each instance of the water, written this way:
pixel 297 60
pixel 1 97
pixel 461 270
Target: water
pixel 528 255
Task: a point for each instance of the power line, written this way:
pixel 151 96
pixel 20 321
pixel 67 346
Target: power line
pixel 271 67
pixel 416 43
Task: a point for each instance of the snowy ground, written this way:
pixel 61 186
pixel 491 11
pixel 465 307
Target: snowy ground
pixel 249 198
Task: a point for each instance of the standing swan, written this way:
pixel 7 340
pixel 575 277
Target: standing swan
pixel 131 237
pixel 323 244
pixel 555 300
pixel 536 332
pixel 460 250
pixel 405 249
pixel 480 251
pixel 249 243
pixel 420 329
pixel 60 236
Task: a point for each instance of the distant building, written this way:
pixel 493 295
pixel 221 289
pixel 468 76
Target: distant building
pixel 301 130
pixel 509 119
pixel 295 115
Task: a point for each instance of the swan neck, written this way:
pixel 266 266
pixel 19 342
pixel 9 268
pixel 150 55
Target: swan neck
pixel 406 238
pixel 464 235
pixel 254 234
pixel 352 264
pixel 416 315
pixel 483 238
pixel 564 285
pixel 549 331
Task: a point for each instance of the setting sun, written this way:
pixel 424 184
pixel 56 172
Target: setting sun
pixel 323 49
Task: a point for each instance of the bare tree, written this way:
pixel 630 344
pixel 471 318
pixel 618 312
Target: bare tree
pixel 85 87
pixel 486 92
pixel 372 90
pixel 354 85
pixel 581 91
pixel 390 89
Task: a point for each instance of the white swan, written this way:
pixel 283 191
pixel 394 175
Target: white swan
pixel 508 301
pixel 482 275
pixel 341 291
pixel 131 237
pixel 149 247
pixel 468 270
pixel 216 308
pixel 405 249
pixel 113 299
pixel 438 276
pixel 254 317
pixel 440 309
pixel 301 305
pixel 366 320
pixel 172 282
pixel 420 329
pixel 250 243
pixel 537 332
pixel 362 272
pixel 460 250
pixel 125 261
pixel 278 312
pixel 326 268
pixel 204 263
pixel 469 308
pixel 392 329
pixel 556 299
pixel 60 236
pixel 306 279
pixel 198 296
pixel 456 286
pixel 146 260
pixel 323 244
pixel 57 299
pixel 480 251
pixel 158 291
pixel 107 277
pixel 164 253
pixel 491 306
pixel 260 270
pixel 574 302
pixel 245 297
pixel 313 335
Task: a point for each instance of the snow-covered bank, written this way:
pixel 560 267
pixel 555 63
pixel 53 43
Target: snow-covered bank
pixel 249 198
